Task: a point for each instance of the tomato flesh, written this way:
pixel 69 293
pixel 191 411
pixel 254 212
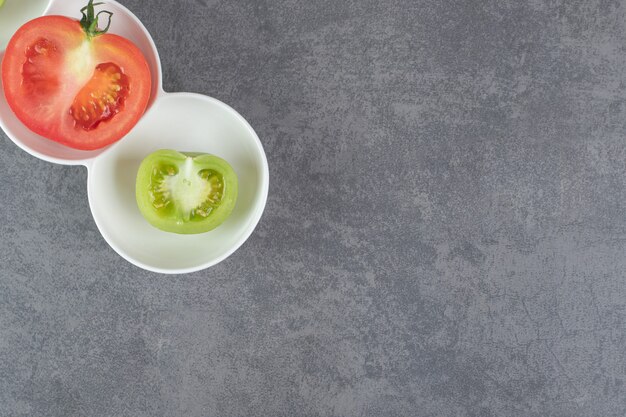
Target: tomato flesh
pixel 185 193
pixel 101 98
pixel 83 91
pixel 39 78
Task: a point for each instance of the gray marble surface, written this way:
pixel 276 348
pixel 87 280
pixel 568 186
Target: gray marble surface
pixel 444 236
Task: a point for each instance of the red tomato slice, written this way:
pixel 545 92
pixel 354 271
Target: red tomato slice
pixel 83 91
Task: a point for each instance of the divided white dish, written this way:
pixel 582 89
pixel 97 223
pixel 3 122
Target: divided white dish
pixel 179 121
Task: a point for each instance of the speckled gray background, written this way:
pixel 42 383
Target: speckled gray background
pixel 445 232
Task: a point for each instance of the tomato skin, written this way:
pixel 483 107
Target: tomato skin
pixel 47 64
pixel 167 212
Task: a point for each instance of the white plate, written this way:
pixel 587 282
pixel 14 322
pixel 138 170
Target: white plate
pixel 185 122
pixel 179 121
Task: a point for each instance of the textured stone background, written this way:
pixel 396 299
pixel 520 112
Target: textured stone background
pixel 444 236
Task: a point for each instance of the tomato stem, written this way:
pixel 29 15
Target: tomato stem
pixel 89 21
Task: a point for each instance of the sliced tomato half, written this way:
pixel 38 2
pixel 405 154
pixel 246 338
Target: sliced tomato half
pixel 83 88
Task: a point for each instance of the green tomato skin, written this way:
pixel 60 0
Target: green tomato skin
pixel 171 220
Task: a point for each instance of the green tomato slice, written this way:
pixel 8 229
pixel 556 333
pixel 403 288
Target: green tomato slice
pixel 185 193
